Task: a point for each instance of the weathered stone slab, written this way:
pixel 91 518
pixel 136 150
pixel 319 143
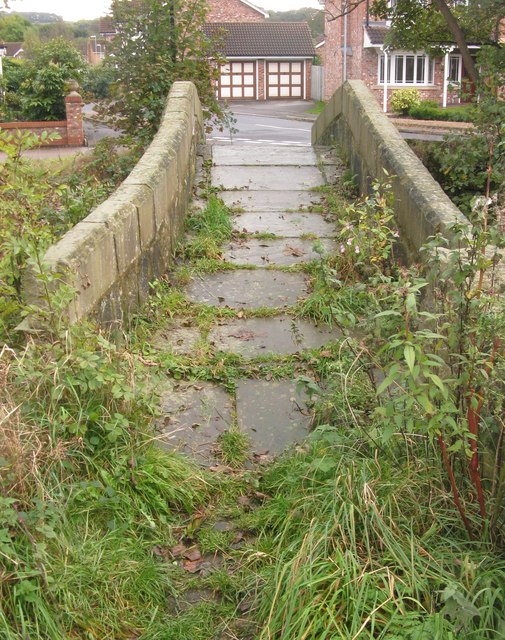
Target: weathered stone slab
pixel 193 417
pixel 272 200
pixel 248 289
pixel 253 337
pixel 273 414
pixel 287 225
pixel 121 217
pixel 237 155
pixel 266 178
pixel 178 337
pixel 281 252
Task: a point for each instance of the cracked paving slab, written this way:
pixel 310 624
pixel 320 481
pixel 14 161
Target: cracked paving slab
pixel 287 225
pixel 248 289
pixel 273 414
pixel 278 252
pixel 253 337
pixel 193 416
pixel 266 178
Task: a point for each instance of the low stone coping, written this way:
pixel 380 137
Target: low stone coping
pixel 110 257
pixel 353 120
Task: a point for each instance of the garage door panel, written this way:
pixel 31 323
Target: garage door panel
pixel 237 80
pixel 285 79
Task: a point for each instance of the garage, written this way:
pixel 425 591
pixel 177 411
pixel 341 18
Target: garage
pixel 237 80
pixel 264 60
pixel 285 79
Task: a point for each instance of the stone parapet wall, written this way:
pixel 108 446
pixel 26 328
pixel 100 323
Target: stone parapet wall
pixel 110 257
pixel 353 120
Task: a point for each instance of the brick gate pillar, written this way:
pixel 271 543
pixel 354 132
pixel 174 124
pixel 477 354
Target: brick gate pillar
pixel 75 128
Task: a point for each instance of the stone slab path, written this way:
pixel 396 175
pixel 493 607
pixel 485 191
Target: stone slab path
pixel 278 218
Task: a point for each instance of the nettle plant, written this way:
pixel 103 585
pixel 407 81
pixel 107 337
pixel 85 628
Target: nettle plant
pixel 444 366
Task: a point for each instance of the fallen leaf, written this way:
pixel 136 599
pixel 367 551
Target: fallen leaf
pixel 192 566
pixel 240 314
pixel 193 554
pixel 220 468
pixel 158 551
pixel 178 550
pixel 268 376
pixel 293 251
pixel 244 335
pixel 244 501
pixel 325 354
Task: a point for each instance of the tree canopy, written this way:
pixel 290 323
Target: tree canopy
pixel 13 27
pixel 157 43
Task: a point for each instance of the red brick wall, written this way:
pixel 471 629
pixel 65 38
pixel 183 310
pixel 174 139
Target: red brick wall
pixel 232 11
pixel 59 127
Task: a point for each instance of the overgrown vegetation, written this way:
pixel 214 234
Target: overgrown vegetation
pixel 387 523
pixel 35 89
pixel 39 202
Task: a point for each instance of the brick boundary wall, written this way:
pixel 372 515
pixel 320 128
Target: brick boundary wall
pixel 111 256
pixel 70 131
pixel 59 127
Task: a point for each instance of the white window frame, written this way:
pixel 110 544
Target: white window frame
pixel 429 69
pixel 459 58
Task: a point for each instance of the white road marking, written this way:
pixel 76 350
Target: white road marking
pixel 271 126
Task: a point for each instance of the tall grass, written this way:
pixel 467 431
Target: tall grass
pixel 368 546
pixel 86 495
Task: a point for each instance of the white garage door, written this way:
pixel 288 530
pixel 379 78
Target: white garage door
pixel 237 80
pixel 285 80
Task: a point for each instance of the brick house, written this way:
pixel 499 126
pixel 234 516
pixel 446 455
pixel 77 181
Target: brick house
pixel 383 70
pixel 266 60
pixel 234 11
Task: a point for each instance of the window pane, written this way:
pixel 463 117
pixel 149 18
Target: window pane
pixel 453 75
pixel 409 68
pixel 431 65
pixel 421 64
pixel 398 69
pixel 381 70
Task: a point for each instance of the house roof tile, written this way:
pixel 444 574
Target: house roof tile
pixel 377 33
pixel 12 49
pixel 256 39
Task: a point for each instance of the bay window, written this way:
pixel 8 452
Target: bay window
pixel 406 68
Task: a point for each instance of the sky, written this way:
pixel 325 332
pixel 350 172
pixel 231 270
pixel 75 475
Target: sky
pixel 72 10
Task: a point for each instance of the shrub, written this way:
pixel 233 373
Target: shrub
pixel 403 99
pixel 425 111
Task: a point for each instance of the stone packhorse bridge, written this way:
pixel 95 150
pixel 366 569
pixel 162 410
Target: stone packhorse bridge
pixel 111 256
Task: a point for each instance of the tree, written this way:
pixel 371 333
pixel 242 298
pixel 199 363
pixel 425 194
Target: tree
pixel 47 73
pixel 13 28
pixel 157 43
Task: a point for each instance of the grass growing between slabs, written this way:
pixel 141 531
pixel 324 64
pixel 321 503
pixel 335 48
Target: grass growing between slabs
pixel 352 535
